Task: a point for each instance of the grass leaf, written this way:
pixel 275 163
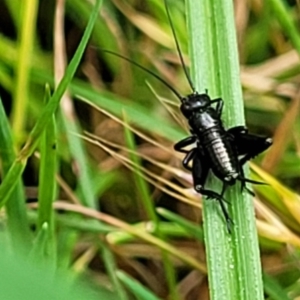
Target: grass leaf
pixel 215 66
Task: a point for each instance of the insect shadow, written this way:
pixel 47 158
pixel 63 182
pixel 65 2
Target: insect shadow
pixel 224 152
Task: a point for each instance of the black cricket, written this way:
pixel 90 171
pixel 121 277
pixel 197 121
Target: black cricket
pixel 222 151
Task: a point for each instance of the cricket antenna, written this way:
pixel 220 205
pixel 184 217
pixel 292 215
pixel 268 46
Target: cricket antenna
pixel 146 70
pixel 178 49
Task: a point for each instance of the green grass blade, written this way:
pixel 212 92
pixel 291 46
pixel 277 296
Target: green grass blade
pixel 72 222
pixel 111 267
pixel 136 288
pixel 40 253
pixel 284 17
pixel 78 11
pixel 66 242
pixel 148 205
pixel 11 180
pixel 192 229
pixel 34 137
pixel 26 41
pixel 142 186
pixel 273 289
pixel 214 57
pixel 47 182
pixel 219 255
pixel 85 189
pixel 16 211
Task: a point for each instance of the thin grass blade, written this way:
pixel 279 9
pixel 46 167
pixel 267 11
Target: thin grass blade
pixel 136 288
pixel 47 182
pixel 16 211
pixel 192 229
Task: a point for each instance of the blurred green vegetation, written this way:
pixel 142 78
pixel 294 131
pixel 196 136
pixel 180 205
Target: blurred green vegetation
pixel 123 204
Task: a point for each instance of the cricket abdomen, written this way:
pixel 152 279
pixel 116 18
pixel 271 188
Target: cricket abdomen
pixel 224 163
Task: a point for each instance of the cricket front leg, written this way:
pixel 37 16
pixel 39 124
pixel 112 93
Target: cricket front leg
pixel 219 107
pixel 179 146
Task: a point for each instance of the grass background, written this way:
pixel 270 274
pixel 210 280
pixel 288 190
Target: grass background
pixel 126 219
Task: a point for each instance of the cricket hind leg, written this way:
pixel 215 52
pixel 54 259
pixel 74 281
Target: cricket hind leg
pixel 200 171
pixel 244 180
pixel 248 146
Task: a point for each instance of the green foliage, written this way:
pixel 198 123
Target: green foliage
pixel 111 203
pixel 34 281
